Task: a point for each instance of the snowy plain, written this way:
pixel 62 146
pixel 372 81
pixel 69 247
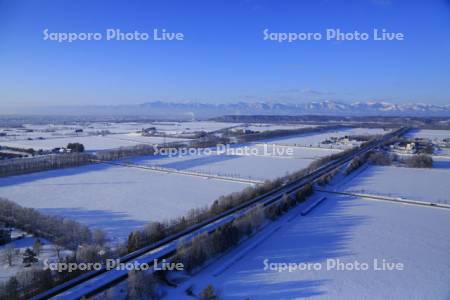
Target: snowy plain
pixel 91 143
pixel 114 198
pixel 428 185
pixel 34 130
pixel 316 140
pixel 268 127
pixel 114 135
pixel 188 127
pixel 119 199
pixel 343 229
pixel 249 161
pixel 434 135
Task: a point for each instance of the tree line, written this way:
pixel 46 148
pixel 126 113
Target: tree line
pixel 197 251
pixel 86 246
pixel 65 232
pixel 41 163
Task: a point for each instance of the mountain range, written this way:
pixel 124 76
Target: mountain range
pixel 313 108
pixel 190 110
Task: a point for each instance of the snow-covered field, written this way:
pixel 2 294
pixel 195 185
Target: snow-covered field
pixel 434 135
pixel 59 130
pixel 342 229
pixel 114 198
pixel 273 149
pixel 429 185
pixel 443 152
pixel 187 127
pixel 91 143
pixel 139 139
pixel 120 199
pixel 316 140
pixel 268 127
pixel 100 135
pixel 248 167
pixel 252 161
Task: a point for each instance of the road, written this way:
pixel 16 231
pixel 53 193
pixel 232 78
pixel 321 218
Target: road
pixel 389 199
pixel 93 282
pixel 182 172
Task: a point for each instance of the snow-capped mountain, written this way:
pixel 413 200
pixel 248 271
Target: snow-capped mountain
pixel 317 107
pixel 205 110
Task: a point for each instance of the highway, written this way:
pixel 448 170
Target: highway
pixel 94 282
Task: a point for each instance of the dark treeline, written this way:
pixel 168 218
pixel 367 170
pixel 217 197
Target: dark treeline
pixel 360 137
pixel 201 248
pixel 64 160
pixel 41 163
pixel 24 150
pixel 125 152
pixel 6 155
pixel 326 178
pixel 419 161
pixel 64 232
pixel 381 158
pixel 357 162
pixel 86 246
pixel 209 141
pixel 362 121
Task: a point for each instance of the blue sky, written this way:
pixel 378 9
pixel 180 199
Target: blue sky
pixel 223 57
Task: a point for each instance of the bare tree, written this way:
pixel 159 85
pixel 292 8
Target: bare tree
pixel 142 286
pixel 99 237
pixel 209 293
pixel 89 254
pixel 419 161
pixel 12 289
pixel 37 246
pixel 58 250
pixel 40 163
pixel 9 253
